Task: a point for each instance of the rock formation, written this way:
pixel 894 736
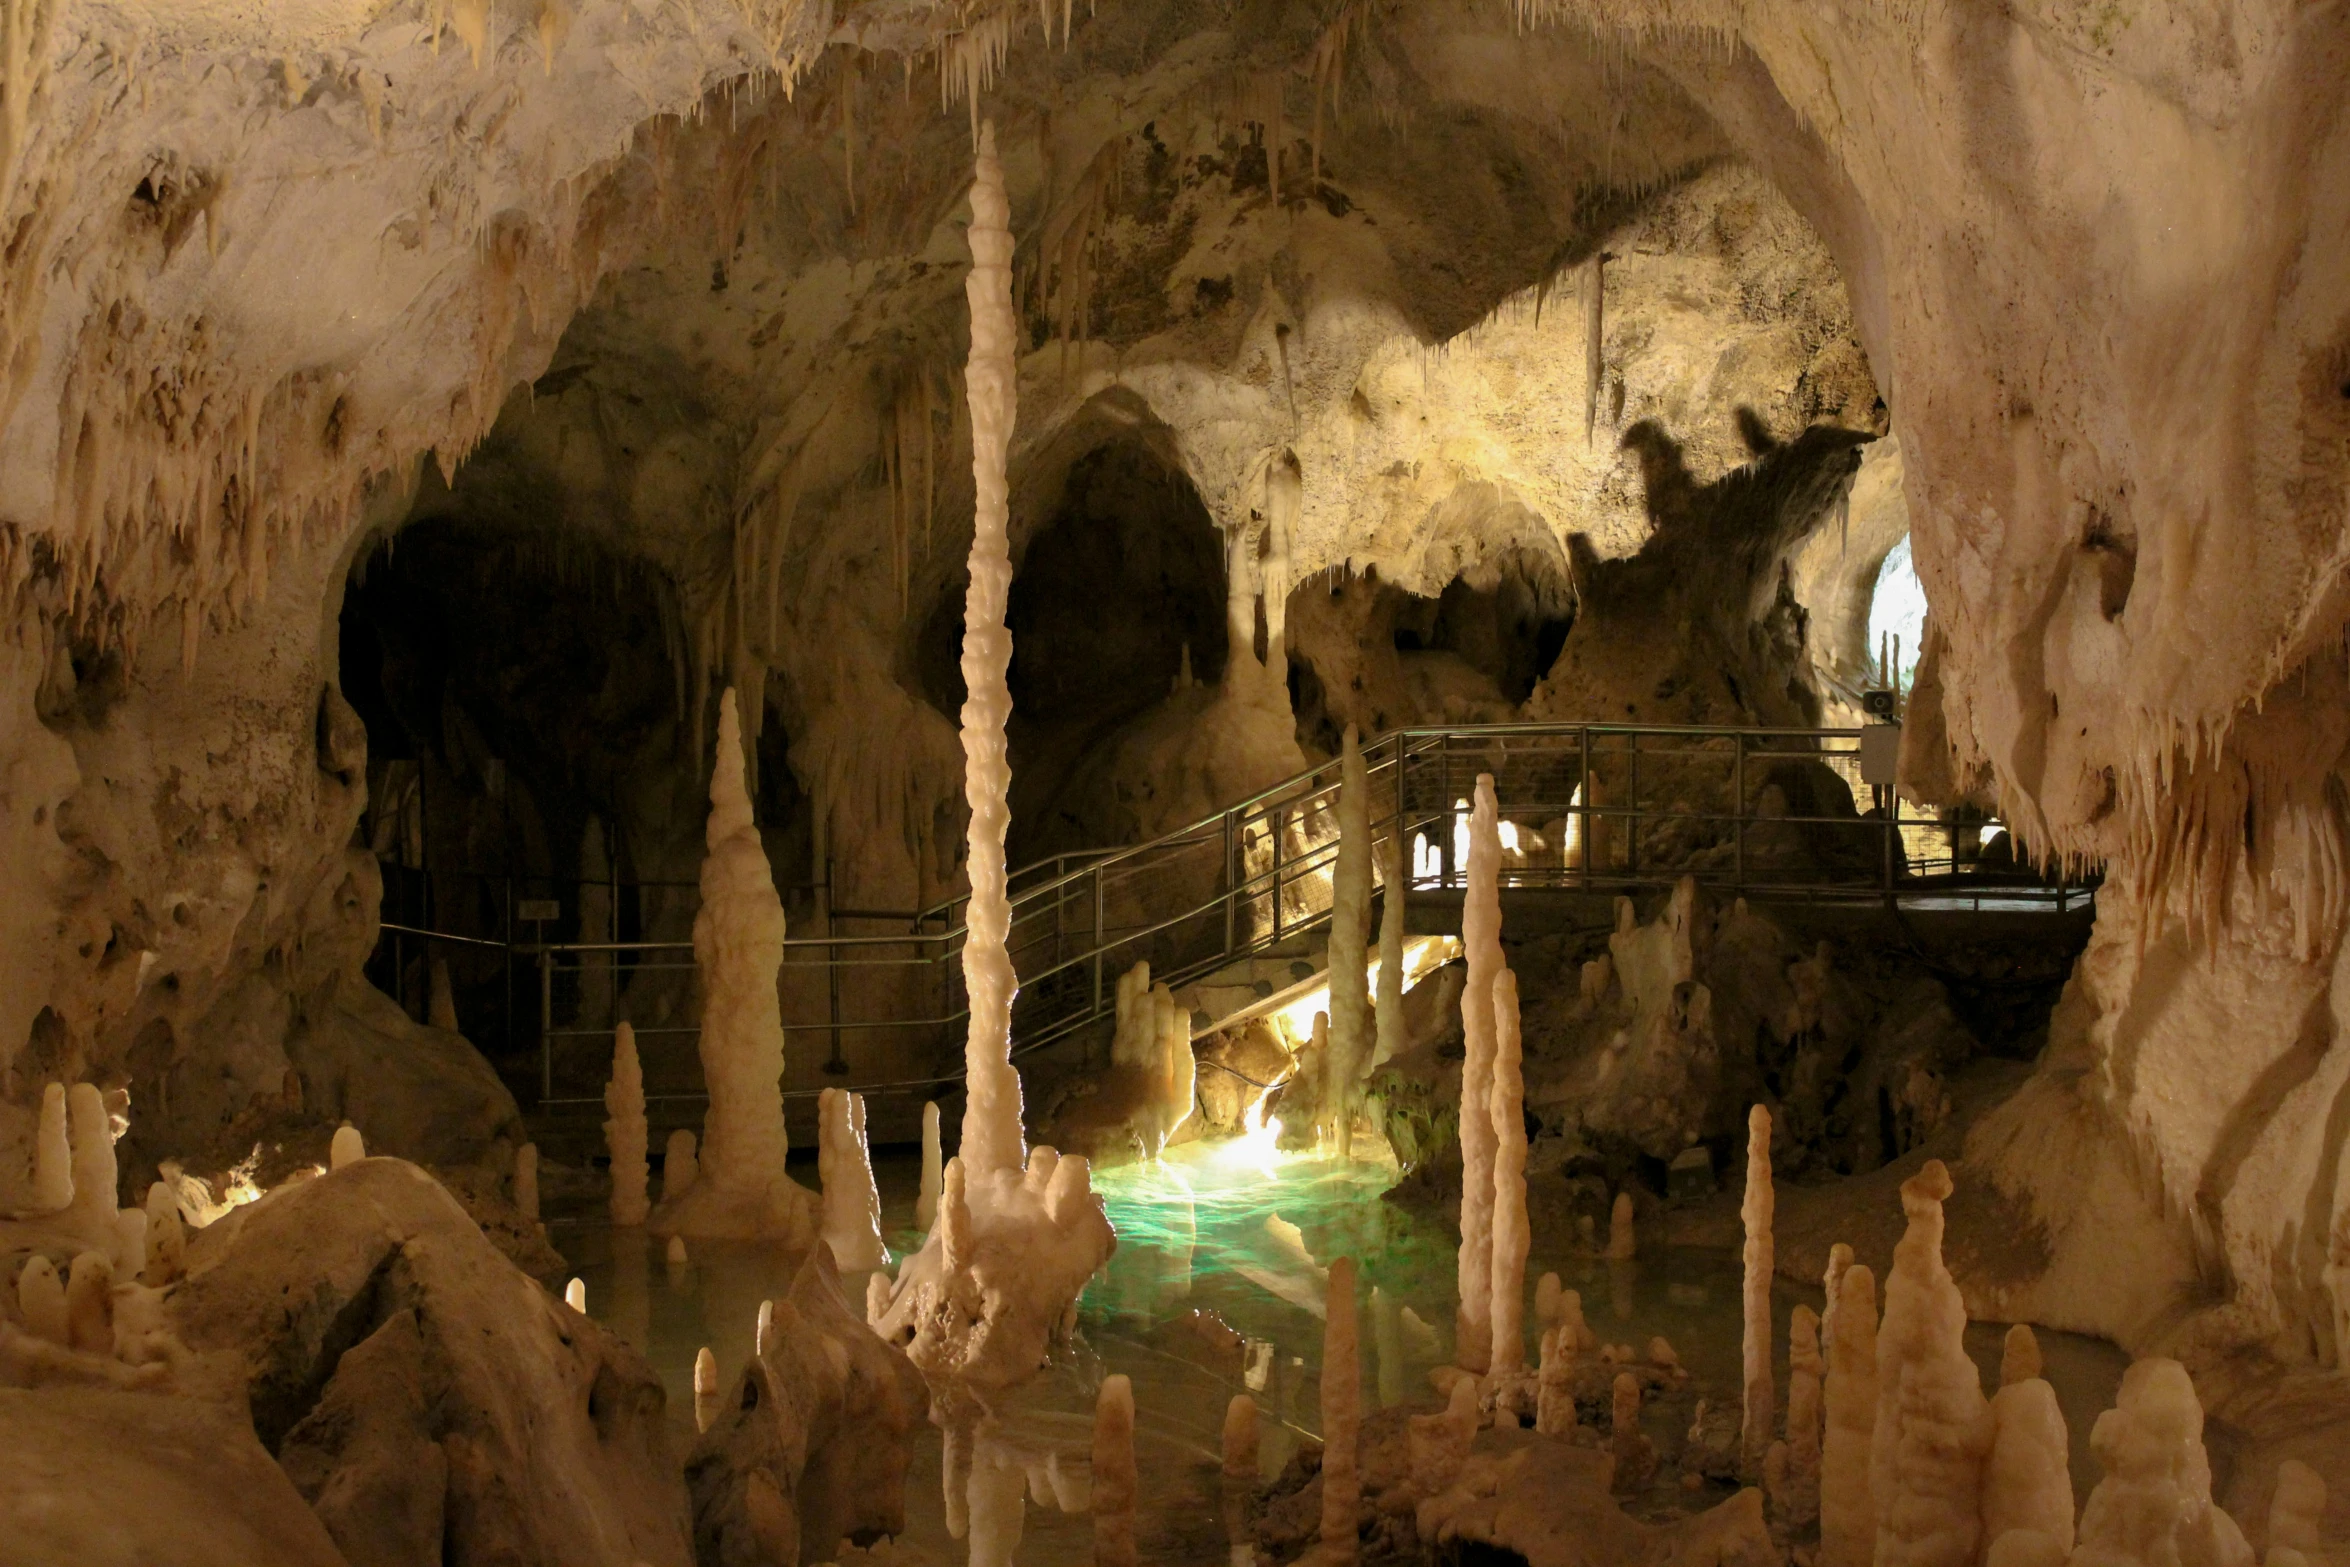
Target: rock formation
pixel 1848 1507
pixel 1481 935
pixel 625 1132
pixel 811 1446
pixel 851 1199
pixel 1510 1235
pixel 1755 1213
pixel 1933 1427
pixel 739 1189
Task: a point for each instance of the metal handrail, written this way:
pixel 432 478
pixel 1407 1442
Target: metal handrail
pixel 1263 864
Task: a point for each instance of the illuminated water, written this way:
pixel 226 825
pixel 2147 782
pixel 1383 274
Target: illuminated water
pixel 1242 1235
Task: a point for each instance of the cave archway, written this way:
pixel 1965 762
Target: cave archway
pixel 1117 601
pixel 525 702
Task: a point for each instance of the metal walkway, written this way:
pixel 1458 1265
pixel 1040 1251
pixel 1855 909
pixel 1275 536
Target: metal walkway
pixel 1768 814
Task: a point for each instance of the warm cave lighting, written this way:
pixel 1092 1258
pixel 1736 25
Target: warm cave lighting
pixel 693 873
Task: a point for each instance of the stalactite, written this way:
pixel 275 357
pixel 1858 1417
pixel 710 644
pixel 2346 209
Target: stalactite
pixel 1594 337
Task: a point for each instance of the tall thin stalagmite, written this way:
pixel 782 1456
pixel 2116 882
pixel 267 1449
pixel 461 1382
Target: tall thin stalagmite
pixel 625 1132
pixel 1848 1514
pixel 991 1114
pixel 933 1170
pixel 1350 934
pixel 1342 1415
pixel 1481 935
pixel 1511 1236
pixel 1761 1391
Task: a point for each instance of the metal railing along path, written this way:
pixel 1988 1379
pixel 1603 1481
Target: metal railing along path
pixel 1597 808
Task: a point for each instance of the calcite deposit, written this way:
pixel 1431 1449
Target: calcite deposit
pixel 584 578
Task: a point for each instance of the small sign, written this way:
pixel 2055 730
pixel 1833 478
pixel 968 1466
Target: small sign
pixel 538 909
pixel 1880 753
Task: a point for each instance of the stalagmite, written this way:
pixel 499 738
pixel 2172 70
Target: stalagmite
pixel 1394 906
pixel 1570 1316
pixel 440 1003
pixel 1481 936
pixel 2019 1356
pixel 40 1298
pixel 1342 1415
pixel 991 1113
pixel 1933 1424
pixel 1116 1483
pixel 130 1242
pixel 626 1135
pixel 1554 1398
pixel 675 1255
pixel 679 1166
pixel 852 1201
pixel 705 1388
pixel 2297 1510
pixel 1634 1454
pixel 933 1170
pixel 1848 1517
pixel 92 1210
pixel 575 1295
pixel 1240 1439
pixel 167 1238
pixel 1803 1419
pixel 1623 1241
pixel 1756 1210
pixel 2027 1479
pixel 2154 1504
pixel 52 1154
pixel 1511 1236
pixel 1350 933
pixel 526 1180
pixel 89 1304
pixel 741 1190
pixel 1839 1260
pixel 348 1147
pixel 1546 1302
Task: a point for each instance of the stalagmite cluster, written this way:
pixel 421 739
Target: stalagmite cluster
pixel 1933 1427
pixel 625 1133
pixel 739 1189
pixel 1151 1047
pixel 851 1196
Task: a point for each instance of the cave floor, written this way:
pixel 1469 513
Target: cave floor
pixel 1241 1232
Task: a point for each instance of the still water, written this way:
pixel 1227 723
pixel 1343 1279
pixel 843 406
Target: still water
pixel 1216 1288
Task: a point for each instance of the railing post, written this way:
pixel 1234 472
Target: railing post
pixel 1100 943
pixel 546 1023
pixel 1632 823
pixel 1273 820
pixel 1738 815
pixel 1589 794
pixel 1892 828
pixel 1444 802
pixel 1231 880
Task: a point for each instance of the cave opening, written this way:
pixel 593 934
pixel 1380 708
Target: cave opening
pixel 530 769
pixel 1117 607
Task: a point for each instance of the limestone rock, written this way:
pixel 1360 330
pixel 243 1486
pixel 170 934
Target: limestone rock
pixel 379 1336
